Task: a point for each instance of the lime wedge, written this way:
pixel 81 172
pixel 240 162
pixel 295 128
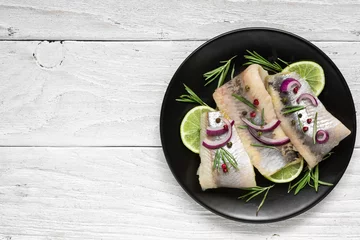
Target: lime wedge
pixel 288 173
pixel 311 72
pixel 190 128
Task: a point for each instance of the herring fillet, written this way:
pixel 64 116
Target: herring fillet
pixel 268 161
pixel 312 153
pixel 212 178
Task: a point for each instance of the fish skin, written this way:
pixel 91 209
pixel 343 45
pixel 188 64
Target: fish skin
pixel 312 153
pixel 244 177
pixel 267 161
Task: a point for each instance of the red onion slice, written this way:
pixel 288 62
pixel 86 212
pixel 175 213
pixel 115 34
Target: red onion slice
pixel 216 131
pixel 269 141
pixel 288 84
pixel 265 128
pixel 307 96
pixel 322 136
pixel 218 143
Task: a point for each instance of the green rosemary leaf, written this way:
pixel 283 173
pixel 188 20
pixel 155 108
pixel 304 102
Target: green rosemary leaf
pixel 292 109
pixel 222 155
pixel 230 158
pixel 219 73
pixel 284 62
pixel 232 72
pixel 254 192
pixel 191 98
pixel 327 155
pixel 216 160
pixel 244 100
pixel 311 178
pixel 248 194
pixel 303 183
pixel 325 183
pixel 300 123
pixel 243 127
pixel 300 182
pixel 264 146
pixel 254 195
pixel 255 58
pixel 315 128
pixel 263 200
pixel 223 158
pixel 316 178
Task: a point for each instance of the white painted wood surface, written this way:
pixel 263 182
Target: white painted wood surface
pixel 129 193
pixel 171 19
pixel 63 103
pixel 92 93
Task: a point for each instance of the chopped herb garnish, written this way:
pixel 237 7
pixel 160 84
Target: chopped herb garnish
pixel 222 155
pixel 264 146
pixel 284 62
pixel 255 191
pixel 191 98
pixel 232 72
pixel 243 127
pixel 300 123
pixel 255 58
pixel 327 155
pixel 244 100
pixel 292 109
pixel 315 128
pixel 311 178
pixel 218 73
pixel 262 117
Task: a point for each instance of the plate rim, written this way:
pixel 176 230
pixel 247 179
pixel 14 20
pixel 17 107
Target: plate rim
pixel 162 130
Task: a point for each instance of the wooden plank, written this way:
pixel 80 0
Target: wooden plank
pixel 159 20
pixel 91 94
pixel 127 193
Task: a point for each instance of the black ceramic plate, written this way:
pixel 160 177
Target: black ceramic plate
pixel 270 43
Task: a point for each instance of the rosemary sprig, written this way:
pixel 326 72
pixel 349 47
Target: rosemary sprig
pixel 244 100
pixel 315 128
pixel 264 146
pixel 311 178
pixel 232 72
pixel 255 58
pixel 327 155
pixel 222 155
pixel 300 123
pixel 255 191
pixel 292 109
pixel 262 117
pixel 191 98
pixel 243 127
pixel 218 73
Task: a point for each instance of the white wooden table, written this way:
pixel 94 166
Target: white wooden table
pixel 81 86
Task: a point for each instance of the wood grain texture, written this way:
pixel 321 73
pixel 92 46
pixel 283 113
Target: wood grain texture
pixel 93 193
pixel 92 93
pixel 162 20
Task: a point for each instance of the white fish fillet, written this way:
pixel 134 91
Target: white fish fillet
pixel 267 161
pixel 303 141
pixel 212 178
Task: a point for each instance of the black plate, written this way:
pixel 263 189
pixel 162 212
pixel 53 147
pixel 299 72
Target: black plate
pixel 270 43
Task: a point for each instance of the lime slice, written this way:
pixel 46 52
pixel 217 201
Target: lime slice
pixel 190 128
pixel 311 72
pixel 288 173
